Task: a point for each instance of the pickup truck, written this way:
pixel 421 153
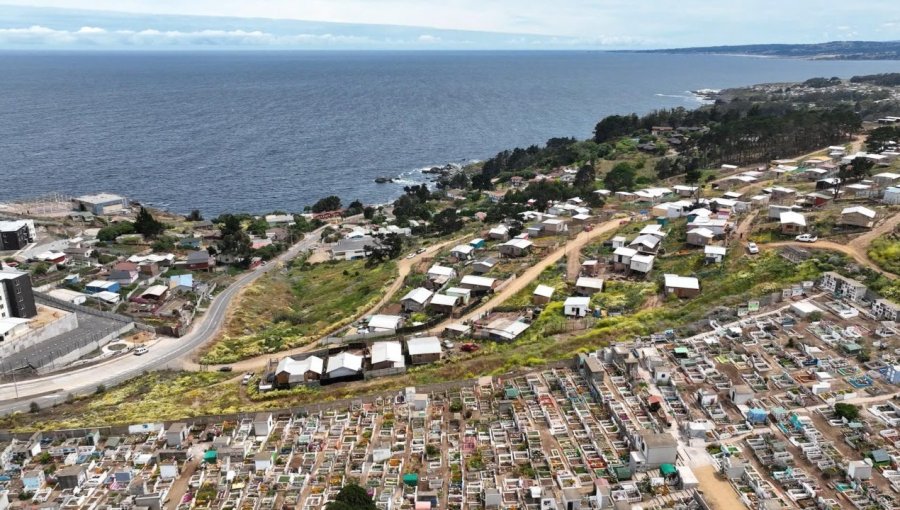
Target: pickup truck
pixel 807 238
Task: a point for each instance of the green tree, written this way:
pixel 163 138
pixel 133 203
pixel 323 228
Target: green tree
pixel 352 497
pixel 329 203
pixel 585 177
pixel 147 225
pixel 111 232
pixel 447 221
pixel 258 227
pixel 620 178
pixel 355 207
pixel 848 411
pixel 195 215
pixel 235 242
pixel 368 212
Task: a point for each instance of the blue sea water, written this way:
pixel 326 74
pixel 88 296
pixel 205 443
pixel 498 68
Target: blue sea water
pixel 255 131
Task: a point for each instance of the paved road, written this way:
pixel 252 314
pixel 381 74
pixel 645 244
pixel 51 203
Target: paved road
pixel 404 267
pixel 55 388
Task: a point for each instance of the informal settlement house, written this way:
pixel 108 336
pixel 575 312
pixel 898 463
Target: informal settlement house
pixel 542 294
pixel 857 216
pixel 792 222
pixel 424 350
pixel 291 372
pixel 386 355
pixel 681 286
pixel 516 248
pixel 587 286
pixel 416 299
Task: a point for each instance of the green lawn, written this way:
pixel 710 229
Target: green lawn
pixel 290 308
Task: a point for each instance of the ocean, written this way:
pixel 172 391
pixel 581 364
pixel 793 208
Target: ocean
pixel 264 131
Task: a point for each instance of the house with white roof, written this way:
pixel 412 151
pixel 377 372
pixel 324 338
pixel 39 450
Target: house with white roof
pixel 681 286
pixel 292 371
pixel 424 350
pixel 653 229
pixel 443 303
pixel 792 222
pixel 462 251
pixel 503 328
pixel 464 295
pixel 438 271
pixel 542 294
pixel 478 284
pixel 857 216
pixel 385 355
pixel 344 364
pixel 684 191
pixel 714 254
pixel 384 323
pixel 416 299
pixel 587 286
pixel 622 257
pixel 646 244
pixel 500 233
pixel 516 247
pixel 641 263
pixel 886 179
pixel 554 226
pixel 891 195
pixel 700 236
pixel 577 306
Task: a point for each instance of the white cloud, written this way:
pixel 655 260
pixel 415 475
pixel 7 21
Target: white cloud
pixel 428 39
pixel 96 36
pixel 605 22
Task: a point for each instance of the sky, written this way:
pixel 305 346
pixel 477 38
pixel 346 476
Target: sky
pixel 444 24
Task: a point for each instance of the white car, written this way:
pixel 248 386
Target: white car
pixel 807 238
pixel 752 248
pixel 140 351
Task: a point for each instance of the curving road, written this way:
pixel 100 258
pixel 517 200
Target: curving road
pixel 55 388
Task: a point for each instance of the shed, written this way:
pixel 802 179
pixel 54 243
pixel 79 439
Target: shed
pixel 577 306
pixel 424 350
pixel 542 294
pixel 681 286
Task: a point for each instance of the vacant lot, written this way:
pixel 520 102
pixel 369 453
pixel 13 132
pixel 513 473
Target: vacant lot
pixel 291 307
pixel 885 251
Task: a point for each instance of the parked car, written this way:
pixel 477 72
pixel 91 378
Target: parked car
pixel 752 248
pixel 140 351
pixel 411 256
pixel 470 347
pixel 448 344
pixel 420 250
pixel 225 369
pixel 807 238
pixel 246 378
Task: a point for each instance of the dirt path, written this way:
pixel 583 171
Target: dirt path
pixel 744 227
pixel 857 248
pixel 570 249
pixel 716 491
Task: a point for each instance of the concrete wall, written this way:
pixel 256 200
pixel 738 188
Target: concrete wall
pixel 85 349
pixel 68 322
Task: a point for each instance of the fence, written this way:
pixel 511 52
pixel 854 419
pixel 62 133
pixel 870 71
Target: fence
pixel 78 342
pixel 310 409
pixel 65 305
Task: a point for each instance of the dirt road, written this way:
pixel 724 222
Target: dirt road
pixel 717 492
pixel 571 249
pixel 856 248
